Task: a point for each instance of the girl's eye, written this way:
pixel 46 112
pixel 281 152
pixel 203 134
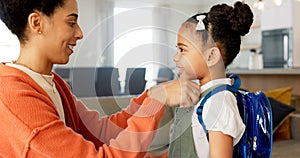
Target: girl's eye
pixel 180 49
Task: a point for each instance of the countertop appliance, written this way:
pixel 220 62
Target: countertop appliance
pixel 277 48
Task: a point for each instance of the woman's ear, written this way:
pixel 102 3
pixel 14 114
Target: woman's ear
pixel 213 56
pixel 35 22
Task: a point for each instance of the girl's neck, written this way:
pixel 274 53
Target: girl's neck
pixel 214 73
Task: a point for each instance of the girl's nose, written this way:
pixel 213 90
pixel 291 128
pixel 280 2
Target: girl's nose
pixel 176 57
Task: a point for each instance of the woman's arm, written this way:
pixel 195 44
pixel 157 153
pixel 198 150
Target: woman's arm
pixel 109 127
pixel 35 130
pixel 170 93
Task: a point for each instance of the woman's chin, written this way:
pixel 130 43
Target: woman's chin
pixel 62 62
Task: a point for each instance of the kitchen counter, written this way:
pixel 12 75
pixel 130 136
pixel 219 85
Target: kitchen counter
pixel 269 79
pixel 266 71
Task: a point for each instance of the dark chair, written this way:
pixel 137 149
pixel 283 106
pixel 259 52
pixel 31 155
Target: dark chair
pixel 63 72
pixel 107 81
pixel 135 80
pixel 83 81
pixel 164 74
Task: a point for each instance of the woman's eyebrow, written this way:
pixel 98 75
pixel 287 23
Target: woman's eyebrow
pixel 73 14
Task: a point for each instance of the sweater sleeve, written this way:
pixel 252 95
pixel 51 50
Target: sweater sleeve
pixel 55 139
pixel 33 128
pixel 109 127
pixel 132 141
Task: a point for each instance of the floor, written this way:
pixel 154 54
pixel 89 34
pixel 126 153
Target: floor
pixel 286 149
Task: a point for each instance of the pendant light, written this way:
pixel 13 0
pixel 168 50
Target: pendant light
pixel 259 4
pixel 278 2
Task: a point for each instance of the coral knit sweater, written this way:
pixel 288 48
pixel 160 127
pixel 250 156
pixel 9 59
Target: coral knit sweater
pixel 31 127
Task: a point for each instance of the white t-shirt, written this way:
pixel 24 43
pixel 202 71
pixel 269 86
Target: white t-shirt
pixel 46 82
pixel 220 113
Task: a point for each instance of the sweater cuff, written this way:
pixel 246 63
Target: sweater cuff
pixel 143 106
pixel 139 100
pixel 150 108
pixel 135 103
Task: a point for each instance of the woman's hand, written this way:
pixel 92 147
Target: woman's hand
pixel 176 92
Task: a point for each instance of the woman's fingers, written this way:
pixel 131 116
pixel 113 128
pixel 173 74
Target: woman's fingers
pixel 176 93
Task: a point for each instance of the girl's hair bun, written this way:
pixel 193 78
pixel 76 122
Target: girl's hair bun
pixel 242 18
pixel 227 24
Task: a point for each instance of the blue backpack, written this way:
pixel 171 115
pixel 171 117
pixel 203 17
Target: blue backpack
pixel 256 113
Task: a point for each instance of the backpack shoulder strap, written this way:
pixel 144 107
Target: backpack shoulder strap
pixel 206 96
pixel 214 90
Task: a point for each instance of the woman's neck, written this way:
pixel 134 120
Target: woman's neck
pixel 34 62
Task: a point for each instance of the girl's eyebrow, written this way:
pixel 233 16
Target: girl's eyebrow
pixel 181 44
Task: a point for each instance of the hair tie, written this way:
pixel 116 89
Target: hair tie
pixel 200 25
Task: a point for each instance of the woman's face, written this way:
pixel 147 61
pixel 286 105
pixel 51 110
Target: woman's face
pixel 189 58
pixel 60 33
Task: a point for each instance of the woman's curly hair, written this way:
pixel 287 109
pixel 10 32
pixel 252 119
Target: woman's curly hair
pixel 14 13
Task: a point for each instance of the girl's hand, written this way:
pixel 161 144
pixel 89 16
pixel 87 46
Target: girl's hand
pixel 178 92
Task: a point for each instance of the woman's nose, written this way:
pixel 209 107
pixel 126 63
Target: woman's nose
pixel 78 34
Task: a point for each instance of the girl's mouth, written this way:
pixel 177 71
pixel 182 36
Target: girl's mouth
pixel 180 70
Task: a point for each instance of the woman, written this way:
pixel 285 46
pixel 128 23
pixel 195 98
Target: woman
pixel 39 115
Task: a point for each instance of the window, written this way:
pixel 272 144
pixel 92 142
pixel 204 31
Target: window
pixel 9 45
pixel 132 41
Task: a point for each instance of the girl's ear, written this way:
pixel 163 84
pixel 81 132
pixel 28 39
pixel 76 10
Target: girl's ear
pixel 35 22
pixel 213 56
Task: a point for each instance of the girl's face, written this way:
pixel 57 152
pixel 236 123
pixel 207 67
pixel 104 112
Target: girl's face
pixel 61 32
pixel 189 59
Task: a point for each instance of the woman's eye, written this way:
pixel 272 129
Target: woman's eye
pixel 72 24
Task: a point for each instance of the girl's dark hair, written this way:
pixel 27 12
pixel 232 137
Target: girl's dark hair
pixel 226 25
pixel 14 13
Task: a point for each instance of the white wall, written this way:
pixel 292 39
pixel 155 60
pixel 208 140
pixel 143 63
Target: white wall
pixel 96 20
pixel 163 22
pixel 277 17
pixel 296 32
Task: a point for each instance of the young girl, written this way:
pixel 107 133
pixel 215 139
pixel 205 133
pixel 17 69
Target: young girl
pixel 207 44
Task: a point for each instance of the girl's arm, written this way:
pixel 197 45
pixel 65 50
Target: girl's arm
pixel 220 145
